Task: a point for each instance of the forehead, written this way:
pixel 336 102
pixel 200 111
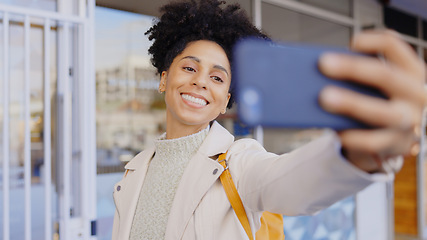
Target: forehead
pixel 208 52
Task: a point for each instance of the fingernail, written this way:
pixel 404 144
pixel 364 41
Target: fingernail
pixel 330 98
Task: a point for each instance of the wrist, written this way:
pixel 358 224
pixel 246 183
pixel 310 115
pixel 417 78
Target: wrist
pixel 373 163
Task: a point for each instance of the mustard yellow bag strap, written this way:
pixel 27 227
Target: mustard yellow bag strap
pixel 233 196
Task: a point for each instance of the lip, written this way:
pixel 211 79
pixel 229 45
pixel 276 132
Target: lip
pixel 196 96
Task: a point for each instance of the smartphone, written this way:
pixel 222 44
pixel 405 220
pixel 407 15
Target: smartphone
pixel 277 85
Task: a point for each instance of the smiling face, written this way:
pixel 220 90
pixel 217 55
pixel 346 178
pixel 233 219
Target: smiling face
pixel 196 88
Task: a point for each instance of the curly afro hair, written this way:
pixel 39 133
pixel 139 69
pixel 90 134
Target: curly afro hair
pixel 187 21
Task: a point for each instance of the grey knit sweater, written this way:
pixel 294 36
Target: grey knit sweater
pixel 160 184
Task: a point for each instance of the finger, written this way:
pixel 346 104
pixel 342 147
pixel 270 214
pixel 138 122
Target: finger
pixel 372 72
pixel 384 142
pixel 393 48
pixel 362 160
pixel 370 110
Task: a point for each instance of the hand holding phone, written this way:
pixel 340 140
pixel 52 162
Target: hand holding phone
pixel 278 86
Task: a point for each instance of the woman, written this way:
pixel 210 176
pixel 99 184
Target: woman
pixel 172 190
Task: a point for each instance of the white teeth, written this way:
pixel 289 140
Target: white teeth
pixel 194 100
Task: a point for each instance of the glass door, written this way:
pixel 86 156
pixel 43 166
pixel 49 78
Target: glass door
pixel 46 77
pixel 130 111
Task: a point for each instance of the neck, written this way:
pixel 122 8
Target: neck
pixel 176 129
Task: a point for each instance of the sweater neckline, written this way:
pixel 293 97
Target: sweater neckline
pixel 180 148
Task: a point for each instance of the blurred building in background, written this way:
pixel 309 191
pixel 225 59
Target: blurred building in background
pixel 79 98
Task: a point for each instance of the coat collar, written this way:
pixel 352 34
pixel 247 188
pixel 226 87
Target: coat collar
pixel 218 141
pixel 138 161
pixel 197 179
pixel 126 191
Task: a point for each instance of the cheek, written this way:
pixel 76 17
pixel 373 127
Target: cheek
pixel 222 96
pixel 169 93
pixel 176 80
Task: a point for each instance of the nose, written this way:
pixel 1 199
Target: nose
pixel 200 81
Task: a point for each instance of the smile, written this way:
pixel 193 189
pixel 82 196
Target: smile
pixel 195 100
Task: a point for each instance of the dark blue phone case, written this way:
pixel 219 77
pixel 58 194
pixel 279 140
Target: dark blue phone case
pixel 278 86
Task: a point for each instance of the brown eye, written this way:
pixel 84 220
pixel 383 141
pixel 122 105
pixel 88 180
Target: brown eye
pixel 216 78
pixel 190 69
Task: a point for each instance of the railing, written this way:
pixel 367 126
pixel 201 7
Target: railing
pixel 84 25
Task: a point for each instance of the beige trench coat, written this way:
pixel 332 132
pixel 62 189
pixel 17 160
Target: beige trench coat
pixel 301 182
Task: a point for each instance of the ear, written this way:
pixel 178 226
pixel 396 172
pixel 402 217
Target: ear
pixel 162 84
pixel 228 99
pixel 223 111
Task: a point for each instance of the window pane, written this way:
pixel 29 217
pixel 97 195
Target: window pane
pixel 400 21
pixel 425 55
pixel 17 123
pixel 1 118
pixel 339 6
pixel 425 60
pixel 130 111
pixel 38 172
pixel 34 4
pixel 424 165
pixel 425 192
pixel 63 6
pixel 16 126
pixel 245 5
pixel 425 30
pixel 286 25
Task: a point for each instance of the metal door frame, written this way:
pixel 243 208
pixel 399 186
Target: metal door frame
pixel 81 227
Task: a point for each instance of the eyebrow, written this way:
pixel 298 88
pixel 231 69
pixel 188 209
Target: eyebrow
pixel 219 67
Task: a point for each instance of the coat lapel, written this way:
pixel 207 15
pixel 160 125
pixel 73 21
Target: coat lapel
pixel 126 191
pixel 200 174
